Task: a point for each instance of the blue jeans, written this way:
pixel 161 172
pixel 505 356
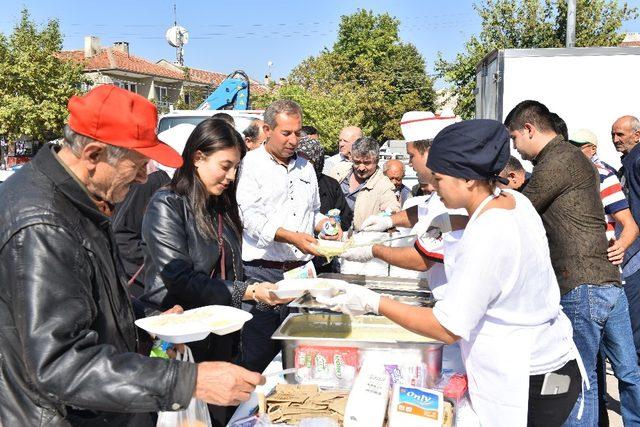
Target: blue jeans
pixel 600 316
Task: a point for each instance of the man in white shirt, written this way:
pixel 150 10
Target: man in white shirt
pixel 348 136
pixel 280 208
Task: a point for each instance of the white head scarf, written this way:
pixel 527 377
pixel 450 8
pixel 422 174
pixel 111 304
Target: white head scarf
pixel 176 137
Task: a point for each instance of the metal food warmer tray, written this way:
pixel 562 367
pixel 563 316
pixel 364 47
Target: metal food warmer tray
pixel 409 291
pixel 362 332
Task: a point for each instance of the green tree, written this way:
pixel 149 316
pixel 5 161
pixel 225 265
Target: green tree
pixel 35 84
pixel 195 94
pixel 369 78
pixel 521 24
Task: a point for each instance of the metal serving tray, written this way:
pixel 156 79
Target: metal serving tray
pixel 363 332
pixel 381 283
pixel 308 304
pixel 409 291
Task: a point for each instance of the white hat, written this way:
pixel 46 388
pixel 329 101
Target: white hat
pixel 583 137
pixel 175 137
pixel 416 125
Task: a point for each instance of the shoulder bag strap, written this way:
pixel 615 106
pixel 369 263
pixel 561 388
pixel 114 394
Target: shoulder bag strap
pixel 223 273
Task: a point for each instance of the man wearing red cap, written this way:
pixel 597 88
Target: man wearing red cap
pixel 68 345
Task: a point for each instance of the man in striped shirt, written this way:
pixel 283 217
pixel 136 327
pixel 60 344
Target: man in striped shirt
pixel 618 216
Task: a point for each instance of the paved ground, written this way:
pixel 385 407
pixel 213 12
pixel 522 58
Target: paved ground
pixel 613 402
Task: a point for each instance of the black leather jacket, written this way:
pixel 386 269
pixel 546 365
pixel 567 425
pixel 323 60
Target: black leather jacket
pixel 178 259
pixel 67 339
pixel 126 224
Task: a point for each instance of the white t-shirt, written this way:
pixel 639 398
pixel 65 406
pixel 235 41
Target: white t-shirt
pixel 501 275
pixel 427 211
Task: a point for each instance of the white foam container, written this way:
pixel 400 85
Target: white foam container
pixel 196 330
pixel 294 288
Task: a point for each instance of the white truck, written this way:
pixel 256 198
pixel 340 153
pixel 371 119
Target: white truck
pixel 588 87
pixel 173 118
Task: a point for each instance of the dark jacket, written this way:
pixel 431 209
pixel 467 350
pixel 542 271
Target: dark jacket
pixel 127 226
pixel 331 197
pixel 630 179
pixel 67 339
pixel 179 259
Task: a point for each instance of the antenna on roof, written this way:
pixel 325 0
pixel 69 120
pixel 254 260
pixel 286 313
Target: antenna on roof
pixel 177 37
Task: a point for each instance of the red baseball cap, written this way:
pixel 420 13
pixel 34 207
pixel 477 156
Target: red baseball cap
pixel 122 118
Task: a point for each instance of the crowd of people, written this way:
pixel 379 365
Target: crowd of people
pixel 536 275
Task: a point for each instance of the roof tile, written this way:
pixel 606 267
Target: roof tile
pixel 110 58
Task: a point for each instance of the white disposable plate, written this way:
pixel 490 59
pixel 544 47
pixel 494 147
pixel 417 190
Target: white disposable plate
pixel 196 324
pixel 294 288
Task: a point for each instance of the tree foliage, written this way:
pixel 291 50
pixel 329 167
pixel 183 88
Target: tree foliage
pixel 369 78
pixel 523 24
pixel 328 111
pixel 35 84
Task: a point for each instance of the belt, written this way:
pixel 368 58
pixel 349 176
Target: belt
pixel 276 265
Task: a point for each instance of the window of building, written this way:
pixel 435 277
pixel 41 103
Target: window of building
pixel 130 86
pixel 161 94
pixel 187 98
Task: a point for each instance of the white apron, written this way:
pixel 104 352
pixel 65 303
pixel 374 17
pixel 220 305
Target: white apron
pixel 497 361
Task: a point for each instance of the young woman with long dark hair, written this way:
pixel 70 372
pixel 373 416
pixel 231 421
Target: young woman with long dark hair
pixel 192 234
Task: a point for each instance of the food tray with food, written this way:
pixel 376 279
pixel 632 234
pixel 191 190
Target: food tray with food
pixel 362 332
pixel 332 248
pixel 195 324
pixel 294 288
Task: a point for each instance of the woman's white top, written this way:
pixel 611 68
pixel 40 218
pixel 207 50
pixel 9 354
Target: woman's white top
pixel 503 301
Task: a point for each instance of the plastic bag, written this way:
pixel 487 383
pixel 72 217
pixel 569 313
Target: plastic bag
pixel 196 415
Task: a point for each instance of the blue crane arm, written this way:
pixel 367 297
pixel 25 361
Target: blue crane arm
pixel 232 92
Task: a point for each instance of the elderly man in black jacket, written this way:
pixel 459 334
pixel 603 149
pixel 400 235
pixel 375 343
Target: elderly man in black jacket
pixel 67 339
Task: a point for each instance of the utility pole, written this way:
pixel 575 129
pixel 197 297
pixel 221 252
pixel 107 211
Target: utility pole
pixel 571 23
pixel 179 48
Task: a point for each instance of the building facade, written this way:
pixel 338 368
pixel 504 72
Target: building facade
pixel 162 82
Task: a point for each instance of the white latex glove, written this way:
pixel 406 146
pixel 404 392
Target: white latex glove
pixel 441 222
pixel 360 254
pixel 432 244
pixel 354 301
pixel 376 223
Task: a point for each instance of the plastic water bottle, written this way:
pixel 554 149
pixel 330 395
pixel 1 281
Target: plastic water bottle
pixel 332 229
